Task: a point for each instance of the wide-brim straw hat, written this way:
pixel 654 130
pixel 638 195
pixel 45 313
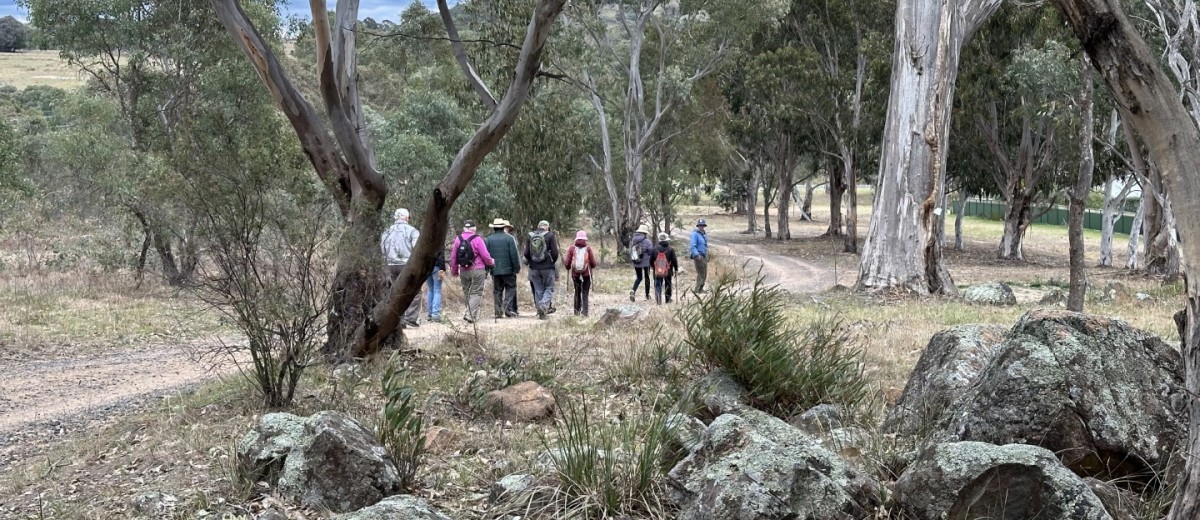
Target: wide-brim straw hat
pixel 499 223
pixel 644 229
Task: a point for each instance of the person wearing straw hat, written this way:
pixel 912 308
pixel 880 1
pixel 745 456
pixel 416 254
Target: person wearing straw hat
pixel 503 248
pixel 580 260
pixel 397 244
pixel 640 249
pixel 470 261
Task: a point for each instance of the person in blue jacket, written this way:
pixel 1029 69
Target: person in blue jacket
pixel 698 252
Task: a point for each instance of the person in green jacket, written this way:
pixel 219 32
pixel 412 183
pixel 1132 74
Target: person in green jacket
pixel 503 249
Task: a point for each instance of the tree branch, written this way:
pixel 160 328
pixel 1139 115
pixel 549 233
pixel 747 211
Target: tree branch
pixel 460 54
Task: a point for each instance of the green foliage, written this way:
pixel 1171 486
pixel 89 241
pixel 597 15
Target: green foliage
pixel 401 428
pixel 608 470
pixel 13 34
pixel 743 328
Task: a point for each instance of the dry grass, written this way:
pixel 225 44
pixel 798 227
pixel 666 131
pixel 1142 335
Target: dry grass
pixel 25 68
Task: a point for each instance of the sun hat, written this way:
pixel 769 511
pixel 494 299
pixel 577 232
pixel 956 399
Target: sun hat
pixel 663 237
pixel 499 223
pixel 701 223
pixel 581 235
pixel 644 229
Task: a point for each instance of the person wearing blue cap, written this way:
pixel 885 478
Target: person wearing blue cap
pixel 698 252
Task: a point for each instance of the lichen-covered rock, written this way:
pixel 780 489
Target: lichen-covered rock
pixel 949 365
pixel 969 480
pixel 1107 397
pixel 820 419
pixel 406 507
pixel 995 293
pixel 324 461
pixel 720 393
pixel 509 486
pixel 525 401
pixel 754 466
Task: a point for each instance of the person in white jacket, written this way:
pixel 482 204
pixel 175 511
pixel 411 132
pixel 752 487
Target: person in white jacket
pixel 397 245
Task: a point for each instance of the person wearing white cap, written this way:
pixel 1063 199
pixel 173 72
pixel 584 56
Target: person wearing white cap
pixel 640 248
pixel 541 255
pixel 580 260
pixel 397 244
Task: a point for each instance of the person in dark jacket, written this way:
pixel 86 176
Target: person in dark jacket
pixel 640 248
pixel 541 255
pixel 580 260
pixel 502 247
pixel 433 294
pixel 665 266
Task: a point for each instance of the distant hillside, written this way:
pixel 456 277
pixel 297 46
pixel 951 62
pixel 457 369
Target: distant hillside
pixel 21 69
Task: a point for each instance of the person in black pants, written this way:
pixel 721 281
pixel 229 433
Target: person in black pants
pixel 580 260
pixel 665 265
pixel 502 247
pixel 640 251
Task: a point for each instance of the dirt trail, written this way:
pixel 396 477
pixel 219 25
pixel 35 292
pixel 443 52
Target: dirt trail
pixel 790 273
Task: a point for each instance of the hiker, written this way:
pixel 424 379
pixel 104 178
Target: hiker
pixel 503 249
pixel 470 262
pixel 698 252
pixel 433 297
pixel 512 306
pixel 640 247
pixel 665 266
pixel 397 244
pixel 579 261
pixel 541 255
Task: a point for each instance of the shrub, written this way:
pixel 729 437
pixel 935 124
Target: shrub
pixel 401 429
pixel 743 328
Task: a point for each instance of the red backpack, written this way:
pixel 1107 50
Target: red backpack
pixel 662 266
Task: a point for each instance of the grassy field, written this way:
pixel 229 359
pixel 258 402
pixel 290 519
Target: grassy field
pixel 25 68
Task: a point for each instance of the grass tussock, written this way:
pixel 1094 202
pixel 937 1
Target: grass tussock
pixel 787 368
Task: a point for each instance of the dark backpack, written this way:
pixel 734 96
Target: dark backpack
pixel 464 256
pixel 662 265
pixel 537 246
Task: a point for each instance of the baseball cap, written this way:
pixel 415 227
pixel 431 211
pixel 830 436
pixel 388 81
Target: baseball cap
pixel 469 224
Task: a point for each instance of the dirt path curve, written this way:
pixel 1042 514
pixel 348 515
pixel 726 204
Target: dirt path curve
pixel 792 274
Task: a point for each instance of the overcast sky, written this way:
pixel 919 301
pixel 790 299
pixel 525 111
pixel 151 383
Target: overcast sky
pixel 377 9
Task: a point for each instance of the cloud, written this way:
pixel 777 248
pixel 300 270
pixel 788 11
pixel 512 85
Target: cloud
pixel 10 8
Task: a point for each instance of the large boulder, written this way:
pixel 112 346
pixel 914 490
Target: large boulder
pixel 950 364
pixel 751 465
pixel 1108 398
pixel 406 507
pixel 971 480
pixel 995 293
pixel 324 461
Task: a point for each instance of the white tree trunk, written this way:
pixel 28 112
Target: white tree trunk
pixel 1135 233
pixel 902 250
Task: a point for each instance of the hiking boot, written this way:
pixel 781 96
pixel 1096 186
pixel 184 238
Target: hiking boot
pixel 542 316
pixel 468 319
pixel 551 309
pixel 633 296
pixel 412 323
pixel 512 315
pixel 647 297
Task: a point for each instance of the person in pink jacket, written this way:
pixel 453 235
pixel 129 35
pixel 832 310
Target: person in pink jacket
pixel 470 262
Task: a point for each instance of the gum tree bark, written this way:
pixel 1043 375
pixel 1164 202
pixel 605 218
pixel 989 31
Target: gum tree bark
pixel 1149 103
pixel 1079 193
pixel 902 249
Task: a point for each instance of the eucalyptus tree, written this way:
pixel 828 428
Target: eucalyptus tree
pixel 903 249
pixel 151 59
pixel 344 160
pixel 644 59
pixel 841 46
pixel 1147 100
